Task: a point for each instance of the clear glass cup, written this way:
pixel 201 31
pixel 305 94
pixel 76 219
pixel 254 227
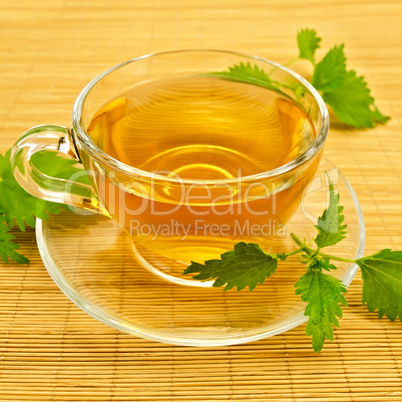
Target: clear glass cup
pixel 138 198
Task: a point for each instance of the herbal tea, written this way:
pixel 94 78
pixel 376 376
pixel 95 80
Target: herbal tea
pixel 203 135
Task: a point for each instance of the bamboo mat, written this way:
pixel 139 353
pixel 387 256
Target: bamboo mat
pixel 52 351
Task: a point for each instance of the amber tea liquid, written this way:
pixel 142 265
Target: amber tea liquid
pixel 202 134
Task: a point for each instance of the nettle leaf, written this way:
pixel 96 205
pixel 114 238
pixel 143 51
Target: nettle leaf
pixel 323 294
pixel 250 74
pixel 246 72
pixel 16 203
pixel 325 264
pixel 377 116
pixel 382 283
pixel 57 165
pixel 7 247
pixel 247 265
pixel 329 225
pixel 308 42
pixel 353 104
pixel 330 72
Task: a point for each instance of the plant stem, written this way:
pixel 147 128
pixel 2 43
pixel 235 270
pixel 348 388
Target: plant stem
pixel 295 252
pixel 310 251
pixel 331 257
pixel 297 240
pixel 302 245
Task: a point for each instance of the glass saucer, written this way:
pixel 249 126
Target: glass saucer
pixel 92 261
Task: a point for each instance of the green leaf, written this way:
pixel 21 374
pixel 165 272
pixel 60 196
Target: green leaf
pixel 248 74
pixel 247 265
pixel 330 72
pixel 329 225
pixel 56 165
pixel 308 42
pixel 378 117
pixel 280 256
pixel 323 263
pixel 352 103
pixel 323 294
pixel 7 247
pixel 16 204
pixel 382 283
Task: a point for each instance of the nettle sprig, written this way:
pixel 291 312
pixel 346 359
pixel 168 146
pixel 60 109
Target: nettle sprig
pixel 249 265
pixel 343 90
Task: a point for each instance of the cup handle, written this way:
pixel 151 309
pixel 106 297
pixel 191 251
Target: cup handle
pixel 55 139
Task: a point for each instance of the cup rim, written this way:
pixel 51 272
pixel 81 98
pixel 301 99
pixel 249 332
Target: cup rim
pixel 121 167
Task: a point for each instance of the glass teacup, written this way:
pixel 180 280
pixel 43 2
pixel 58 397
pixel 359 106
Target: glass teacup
pixel 190 162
